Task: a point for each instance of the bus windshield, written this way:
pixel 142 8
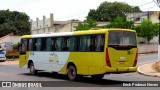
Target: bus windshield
pixel 122 38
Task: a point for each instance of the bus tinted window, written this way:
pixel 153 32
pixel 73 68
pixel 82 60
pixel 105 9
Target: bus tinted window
pixel 72 44
pixel 38 44
pixel 65 44
pixel 58 44
pixel 84 43
pixel 122 38
pixel 99 43
pixel 48 45
pixel 30 46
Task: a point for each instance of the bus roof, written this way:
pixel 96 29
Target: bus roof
pixel 84 32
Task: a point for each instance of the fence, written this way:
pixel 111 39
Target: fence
pixel 148 48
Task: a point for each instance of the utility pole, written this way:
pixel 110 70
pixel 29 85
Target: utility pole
pixel 157 2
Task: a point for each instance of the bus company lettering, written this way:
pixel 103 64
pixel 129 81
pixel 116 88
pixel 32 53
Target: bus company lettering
pixel 53 58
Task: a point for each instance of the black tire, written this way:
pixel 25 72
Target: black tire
pixel 32 69
pixel 72 73
pixel 98 76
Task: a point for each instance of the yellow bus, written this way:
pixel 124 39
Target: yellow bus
pixel 90 52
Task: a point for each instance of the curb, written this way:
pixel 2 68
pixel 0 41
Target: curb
pixel 146 74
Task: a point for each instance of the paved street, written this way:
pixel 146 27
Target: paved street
pixel 13 73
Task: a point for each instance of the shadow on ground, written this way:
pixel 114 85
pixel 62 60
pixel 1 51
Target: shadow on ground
pixel 81 82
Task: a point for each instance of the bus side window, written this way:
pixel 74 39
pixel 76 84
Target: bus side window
pixel 85 43
pixel 99 43
pixel 30 45
pixel 44 40
pixel 72 43
pixel 38 44
pixel 58 44
pixel 48 44
pixel 53 45
pixel 82 43
pixel 65 43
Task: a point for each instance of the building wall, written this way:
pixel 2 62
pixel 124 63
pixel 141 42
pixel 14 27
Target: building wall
pixel 12 39
pixel 42 26
pixel 153 16
pixel 15 39
pixel 5 39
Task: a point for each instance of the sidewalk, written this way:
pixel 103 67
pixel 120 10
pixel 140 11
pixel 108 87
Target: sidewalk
pixel 10 62
pixel 147 70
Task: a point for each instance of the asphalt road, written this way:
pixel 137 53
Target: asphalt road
pixel 109 82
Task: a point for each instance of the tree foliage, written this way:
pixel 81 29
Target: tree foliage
pixel 86 25
pixel 147 29
pixel 119 22
pixel 14 22
pixel 107 11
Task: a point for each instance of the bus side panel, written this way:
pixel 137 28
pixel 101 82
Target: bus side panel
pixel 97 64
pixel 49 61
pixel 82 61
pixel 23 59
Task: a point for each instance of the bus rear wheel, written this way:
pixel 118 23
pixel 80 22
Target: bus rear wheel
pixel 98 76
pixel 72 73
pixel 32 69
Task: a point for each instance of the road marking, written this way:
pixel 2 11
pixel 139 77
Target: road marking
pixel 146 74
pixel 147 62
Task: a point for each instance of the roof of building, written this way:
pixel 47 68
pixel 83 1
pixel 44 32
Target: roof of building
pixel 10 34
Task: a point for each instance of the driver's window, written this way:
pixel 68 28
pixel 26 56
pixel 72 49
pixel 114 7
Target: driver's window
pixel 23 46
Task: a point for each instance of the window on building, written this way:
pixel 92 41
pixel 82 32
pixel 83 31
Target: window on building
pixel 142 20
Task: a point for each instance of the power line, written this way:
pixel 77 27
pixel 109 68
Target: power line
pixel 152 7
pixel 145 4
pixel 157 3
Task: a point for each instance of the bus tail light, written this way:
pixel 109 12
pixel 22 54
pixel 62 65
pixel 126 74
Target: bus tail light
pixel 136 59
pixel 107 58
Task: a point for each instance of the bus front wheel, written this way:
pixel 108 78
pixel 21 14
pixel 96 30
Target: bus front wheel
pixel 72 73
pixel 32 69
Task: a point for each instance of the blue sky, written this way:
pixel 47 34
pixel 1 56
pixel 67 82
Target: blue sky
pixel 66 9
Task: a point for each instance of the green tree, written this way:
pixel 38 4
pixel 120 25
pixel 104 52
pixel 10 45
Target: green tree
pixel 119 22
pixel 107 11
pixel 88 24
pixel 147 29
pixel 15 46
pixel 14 22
